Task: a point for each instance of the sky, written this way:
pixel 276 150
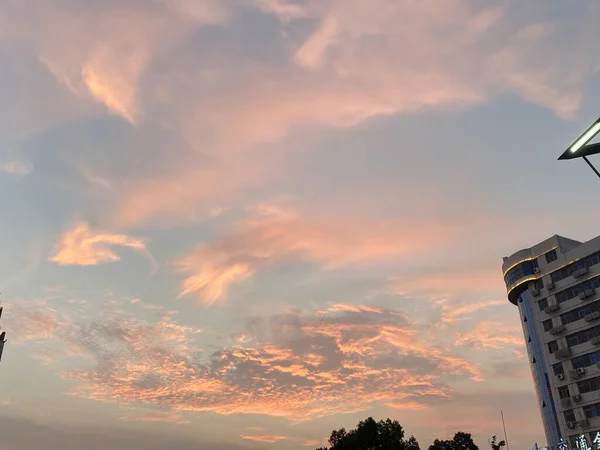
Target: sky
pixel 241 224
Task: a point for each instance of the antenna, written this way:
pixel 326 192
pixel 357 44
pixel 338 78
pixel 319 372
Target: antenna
pixel 504 426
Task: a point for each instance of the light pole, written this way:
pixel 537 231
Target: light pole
pixel 581 149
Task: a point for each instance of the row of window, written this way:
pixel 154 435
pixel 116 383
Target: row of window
pixel 588 411
pixel 571 292
pixel 519 271
pixel 574 315
pixel 591 385
pixel 579 313
pixel 567 271
pixel 582 336
pixel 586 360
pixel 527 268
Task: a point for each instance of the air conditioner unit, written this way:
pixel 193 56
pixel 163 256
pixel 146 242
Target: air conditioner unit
pixel 551 308
pixel 560 376
pixel 592 316
pixel 557 330
pixel 595 340
pixel 581 371
pixel 536 270
pixel 550 286
pixel 571 425
pixel 574 375
pixel 563 353
pixel 580 272
pixel 583 423
pixel 577 398
pixel 586 293
pixel 535 292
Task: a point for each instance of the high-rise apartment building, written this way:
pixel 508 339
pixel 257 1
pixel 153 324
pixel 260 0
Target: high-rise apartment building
pixel 556 286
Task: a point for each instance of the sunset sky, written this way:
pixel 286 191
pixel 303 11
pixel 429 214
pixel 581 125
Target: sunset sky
pixel 240 224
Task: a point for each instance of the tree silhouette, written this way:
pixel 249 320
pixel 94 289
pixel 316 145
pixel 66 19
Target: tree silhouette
pixel 497 445
pixel 460 441
pixel 371 435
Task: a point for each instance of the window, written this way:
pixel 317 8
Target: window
pixel 582 336
pixel 579 313
pixel 542 304
pixel 547 324
pixel 586 360
pixel 558 368
pixel 551 256
pixel 590 385
pixel 563 392
pixel 592 410
pixel 517 272
pixel 569 416
pixel 573 291
pixel 567 271
pixel 552 346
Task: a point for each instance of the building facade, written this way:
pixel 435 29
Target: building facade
pixel 556 286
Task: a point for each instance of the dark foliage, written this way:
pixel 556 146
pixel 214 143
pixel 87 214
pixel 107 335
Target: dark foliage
pixel 460 441
pixel 371 435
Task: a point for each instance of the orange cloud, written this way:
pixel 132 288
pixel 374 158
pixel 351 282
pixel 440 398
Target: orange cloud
pixel 267 439
pixel 34 321
pixel 492 335
pixel 298 366
pixel 451 312
pixel 328 241
pixel 83 246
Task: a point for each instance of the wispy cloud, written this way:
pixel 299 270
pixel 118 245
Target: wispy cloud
pixel 267 439
pixel 156 416
pixel 492 335
pixel 83 246
pixel 16 167
pixel 328 241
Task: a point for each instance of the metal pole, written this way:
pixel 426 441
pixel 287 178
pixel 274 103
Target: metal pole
pixel 504 426
pixel 591 166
